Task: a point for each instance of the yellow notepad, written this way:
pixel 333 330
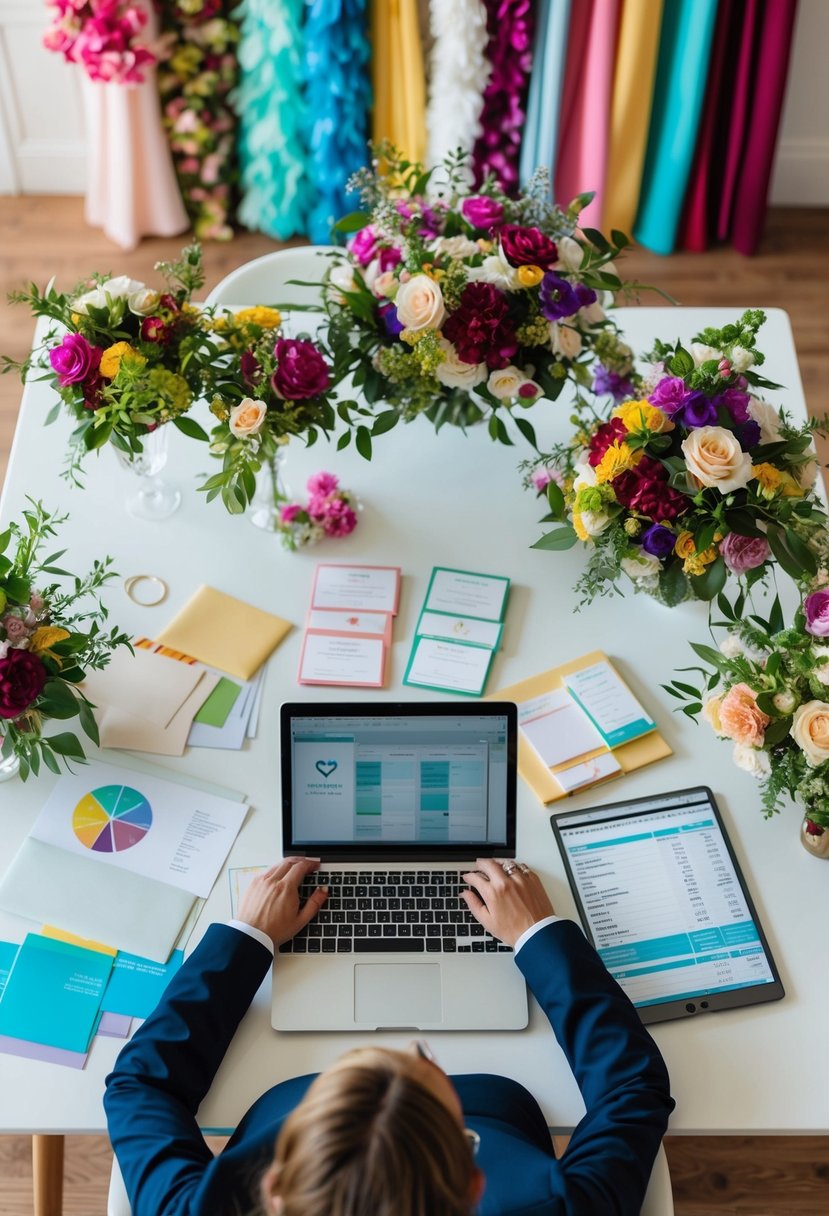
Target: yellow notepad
pixel 224 632
pixel 532 768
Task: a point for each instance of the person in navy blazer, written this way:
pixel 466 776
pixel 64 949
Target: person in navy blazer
pixel 162 1075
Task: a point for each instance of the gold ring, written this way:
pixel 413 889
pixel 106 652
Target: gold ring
pixel 135 580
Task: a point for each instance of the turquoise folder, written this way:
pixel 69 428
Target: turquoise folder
pixel 53 993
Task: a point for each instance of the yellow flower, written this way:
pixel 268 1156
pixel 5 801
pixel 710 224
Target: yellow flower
pixel 112 356
pixel 618 458
pixel 44 638
pixel 530 276
pixel 685 546
pixel 769 477
pixel 579 528
pixel 261 315
pixel 642 416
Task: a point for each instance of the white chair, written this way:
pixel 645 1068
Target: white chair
pixel 658 1199
pixel 265 279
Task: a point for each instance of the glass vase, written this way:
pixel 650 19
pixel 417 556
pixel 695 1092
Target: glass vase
pixel 9 767
pixel 814 842
pixel 150 497
pixel 272 492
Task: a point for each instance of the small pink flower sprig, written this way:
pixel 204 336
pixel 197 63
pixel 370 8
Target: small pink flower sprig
pixel 103 36
pixel 329 511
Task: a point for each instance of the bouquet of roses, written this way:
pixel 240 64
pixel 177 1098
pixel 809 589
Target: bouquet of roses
pixel 103 36
pixel 766 689
pixel 49 638
pixel 265 388
pixel 330 511
pixel 691 480
pixel 468 306
pixel 123 357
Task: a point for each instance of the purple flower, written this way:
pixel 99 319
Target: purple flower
pixel 74 359
pixel 816 608
pixel 249 367
pixel 388 315
pixel 669 394
pixel 748 434
pixel 736 402
pixel 697 410
pixel 658 541
pixel 560 298
pixel 482 212
pixel 363 245
pixel 741 553
pixel 321 484
pixel 613 383
pixel 301 371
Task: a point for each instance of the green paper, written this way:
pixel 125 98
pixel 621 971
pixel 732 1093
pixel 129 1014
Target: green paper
pixel 218 705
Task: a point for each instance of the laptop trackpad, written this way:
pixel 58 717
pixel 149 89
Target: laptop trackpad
pixel 393 994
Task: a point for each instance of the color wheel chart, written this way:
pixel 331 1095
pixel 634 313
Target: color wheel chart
pixel 112 818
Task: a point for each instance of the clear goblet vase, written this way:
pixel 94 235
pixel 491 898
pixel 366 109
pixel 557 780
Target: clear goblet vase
pixel 271 492
pixel 151 497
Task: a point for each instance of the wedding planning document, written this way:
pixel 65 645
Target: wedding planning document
pixel 348 630
pixel 458 631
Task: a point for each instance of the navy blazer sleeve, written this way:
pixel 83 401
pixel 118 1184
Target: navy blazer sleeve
pixel 162 1075
pixel 617 1065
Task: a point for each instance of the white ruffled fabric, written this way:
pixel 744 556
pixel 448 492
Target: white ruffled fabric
pixel 459 74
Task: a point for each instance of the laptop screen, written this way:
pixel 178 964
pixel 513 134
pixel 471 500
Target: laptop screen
pixel 412 779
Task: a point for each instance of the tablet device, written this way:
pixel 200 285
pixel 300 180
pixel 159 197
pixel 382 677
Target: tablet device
pixel 661 896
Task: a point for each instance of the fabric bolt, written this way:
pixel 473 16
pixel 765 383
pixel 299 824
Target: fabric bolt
pixel 337 101
pixel 581 164
pixel 276 186
pixel 776 37
pixel 630 109
pixel 398 77
pixel 510 27
pixel 539 144
pixel 739 115
pixel 697 224
pixel 684 49
pixel 459 74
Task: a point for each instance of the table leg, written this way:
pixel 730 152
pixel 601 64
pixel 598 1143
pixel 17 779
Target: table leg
pixel 47 1175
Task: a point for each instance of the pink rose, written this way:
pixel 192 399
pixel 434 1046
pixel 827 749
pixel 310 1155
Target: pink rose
pixel 741 553
pixel 816 608
pixel 740 719
pixel 482 212
pixel 363 245
pixel 15 628
pixel 74 359
pixel 541 478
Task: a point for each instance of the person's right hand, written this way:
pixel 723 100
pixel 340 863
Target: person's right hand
pixel 271 903
pixel 505 904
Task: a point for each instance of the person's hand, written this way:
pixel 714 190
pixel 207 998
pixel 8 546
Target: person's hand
pixel 505 904
pixel 272 904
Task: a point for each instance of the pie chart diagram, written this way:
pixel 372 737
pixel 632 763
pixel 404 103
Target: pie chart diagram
pixel 112 818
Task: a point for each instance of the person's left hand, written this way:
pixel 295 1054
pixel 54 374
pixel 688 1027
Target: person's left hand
pixel 271 903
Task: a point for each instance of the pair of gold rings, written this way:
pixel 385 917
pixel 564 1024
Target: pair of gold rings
pixel 511 866
pixel 146 589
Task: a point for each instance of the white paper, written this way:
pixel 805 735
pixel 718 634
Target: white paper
pixel 339 660
pixel 358 587
pixel 611 705
pixel 557 728
pixel 587 772
pixel 459 629
pixel 171 833
pixel 438 664
pixel 334 621
pixel 464 593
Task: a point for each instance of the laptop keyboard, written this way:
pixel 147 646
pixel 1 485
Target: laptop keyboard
pixel 405 912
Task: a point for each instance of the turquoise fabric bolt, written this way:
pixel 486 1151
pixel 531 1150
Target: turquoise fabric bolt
pixel 681 75
pixel 539 144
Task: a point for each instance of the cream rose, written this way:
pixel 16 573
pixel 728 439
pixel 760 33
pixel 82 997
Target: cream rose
pixel 594 522
pixel 810 731
pixel 711 713
pixel 385 285
pixel 592 314
pixel 751 760
pixel 247 418
pixel 455 247
pixel 716 459
pixel 340 279
pixel 143 302
pixel 766 417
pixel 419 303
pixel 701 353
pixel 644 565
pixel 454 373
pixel 741 359
pixel 564 340
pixel 505 382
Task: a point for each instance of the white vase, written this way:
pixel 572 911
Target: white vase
pixel 150 497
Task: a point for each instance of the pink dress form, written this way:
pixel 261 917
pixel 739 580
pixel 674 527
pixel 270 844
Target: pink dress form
pixel 585 107
pixel 132 189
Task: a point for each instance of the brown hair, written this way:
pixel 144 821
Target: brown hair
pixel 370 1139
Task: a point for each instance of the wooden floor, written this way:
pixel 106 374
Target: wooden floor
pixel 41 237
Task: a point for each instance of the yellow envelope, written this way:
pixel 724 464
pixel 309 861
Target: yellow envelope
pixel 224 632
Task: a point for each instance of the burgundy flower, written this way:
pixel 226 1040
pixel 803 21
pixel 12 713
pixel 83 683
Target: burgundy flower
pixel 389 257
pixel 153 329
pixel 249 367
pixel 93 389
pixel 74 359
pixel 609 432
pixel 482 212
pixel 645 489
pixel 169 302
pixel 22 677
pixel 301 371
pixel 527 247
pixel 480 328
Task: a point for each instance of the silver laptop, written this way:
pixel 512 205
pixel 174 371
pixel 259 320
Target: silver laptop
pixel 397 799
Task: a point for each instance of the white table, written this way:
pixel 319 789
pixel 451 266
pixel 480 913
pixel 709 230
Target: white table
pixel 452 500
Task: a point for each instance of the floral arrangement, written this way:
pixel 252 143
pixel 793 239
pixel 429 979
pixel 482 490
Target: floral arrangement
pixel 265 388
pixel 467 306
pixel 766 689
pixel 49 638
pixel 124 358
pixel 329 511
pixel 198 70
pixel 693 478
pixel 103 36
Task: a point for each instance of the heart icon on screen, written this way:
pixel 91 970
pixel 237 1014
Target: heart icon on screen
pixel 326 767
